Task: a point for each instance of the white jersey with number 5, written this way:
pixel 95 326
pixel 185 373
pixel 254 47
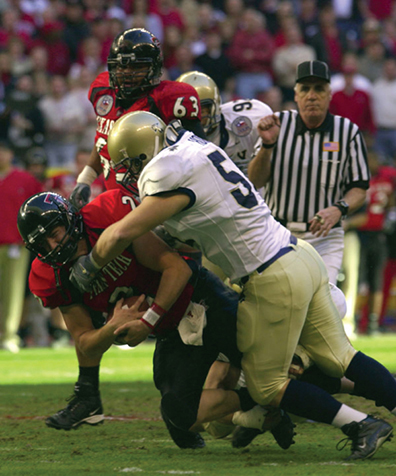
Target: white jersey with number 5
pixel 226 217
pixel 237 133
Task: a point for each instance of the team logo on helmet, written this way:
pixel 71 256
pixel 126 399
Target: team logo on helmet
pixel 157 128
pixel 104 105
pixel 242 126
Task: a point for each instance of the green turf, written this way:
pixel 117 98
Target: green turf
pixel 133 439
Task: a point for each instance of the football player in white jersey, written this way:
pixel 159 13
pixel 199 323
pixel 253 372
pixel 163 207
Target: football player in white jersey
pixel 232 125
pixel 200 195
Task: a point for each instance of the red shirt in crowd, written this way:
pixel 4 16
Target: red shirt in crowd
pixel 15 187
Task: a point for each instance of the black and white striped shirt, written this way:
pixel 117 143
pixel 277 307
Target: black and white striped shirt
pixel 313 168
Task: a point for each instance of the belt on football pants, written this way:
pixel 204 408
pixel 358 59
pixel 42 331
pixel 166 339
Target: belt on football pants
pixel 264 266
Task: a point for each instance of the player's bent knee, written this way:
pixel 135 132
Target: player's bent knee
pixel 178 412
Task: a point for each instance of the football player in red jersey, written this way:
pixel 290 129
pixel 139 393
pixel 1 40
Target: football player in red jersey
pixel 133 83
pixel 57 234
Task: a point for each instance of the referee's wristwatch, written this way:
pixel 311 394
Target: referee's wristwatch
pixel 343 207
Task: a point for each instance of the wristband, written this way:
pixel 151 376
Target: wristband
pixel 268 146
pixel 87 176
pixel 153 315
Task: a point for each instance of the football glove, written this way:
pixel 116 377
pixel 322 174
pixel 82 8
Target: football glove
pixel 83 272
pixel 80 195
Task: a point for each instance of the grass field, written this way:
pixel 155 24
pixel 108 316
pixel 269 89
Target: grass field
pixel 133 439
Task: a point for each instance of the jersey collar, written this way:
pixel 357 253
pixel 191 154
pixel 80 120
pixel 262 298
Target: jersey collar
pixel 326 126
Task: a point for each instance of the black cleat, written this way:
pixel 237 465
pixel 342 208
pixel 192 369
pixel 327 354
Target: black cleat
pixel 242 436
pixel 283 432
pixel 84 406
pixel 366 437
pixel 184 439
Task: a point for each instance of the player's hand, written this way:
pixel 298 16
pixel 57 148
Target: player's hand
pixel 134 332
pixel 83 272
pixel 80 195
pixel 324 220
pixel 268 129
pixel 124 314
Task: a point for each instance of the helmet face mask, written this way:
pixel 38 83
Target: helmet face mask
pixel 39 216
pixel 130 169
pixel 134 63
pixel 133 141
pixel 209 96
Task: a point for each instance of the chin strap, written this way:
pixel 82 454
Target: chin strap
pixel 173 132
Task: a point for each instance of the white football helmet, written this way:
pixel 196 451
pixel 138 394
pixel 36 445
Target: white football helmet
pixel 134 140
pixel 209 95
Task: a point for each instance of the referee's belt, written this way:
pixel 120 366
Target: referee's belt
pixel 299 226
pixel 264 266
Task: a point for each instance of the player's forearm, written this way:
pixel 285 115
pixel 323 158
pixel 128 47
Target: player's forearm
pixel 95 343
pixel 259 169
pixel 172 284
pixel 94 161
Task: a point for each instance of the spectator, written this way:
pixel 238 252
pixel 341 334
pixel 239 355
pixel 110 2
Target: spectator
pixel 20 61
pixel 353 103
pixel 152 21
pixel 234 10
pixel 25 120
pixel 273 98
pixel 287 57
pixel 39 62
pixel 90 55
pixel 63 123
pixel 390 267
pixel 184 61
pixel 384 106
pixel 50 37
pixel 173 39
pixel 372 60
pixel 16 186
pixel 373 246
pixel 13 26
pixel 334 39
pixel 100 29
pixel 76 28
pixel 360 82
pixel 251 54
pixel 214 61
pixel 170 15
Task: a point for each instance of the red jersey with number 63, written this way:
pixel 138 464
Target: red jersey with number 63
pixel 169 100
pixel 124 276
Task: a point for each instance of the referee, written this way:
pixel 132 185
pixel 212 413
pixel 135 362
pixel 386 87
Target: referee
pixel 314 166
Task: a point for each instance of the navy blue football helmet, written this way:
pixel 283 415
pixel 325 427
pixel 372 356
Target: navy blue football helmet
pixel 38 216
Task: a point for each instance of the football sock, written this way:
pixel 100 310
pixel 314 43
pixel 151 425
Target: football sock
pixel 315 376
pixel 309 401
pixel 372 381
pixel 253 418
pixel 347 415
pixel 89 375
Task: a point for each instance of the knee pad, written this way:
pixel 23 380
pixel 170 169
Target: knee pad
pixel 338 299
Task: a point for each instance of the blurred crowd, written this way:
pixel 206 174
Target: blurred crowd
pixel 52 50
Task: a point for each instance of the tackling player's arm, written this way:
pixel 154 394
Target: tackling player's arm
pixel 154 254
pixel 150 213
